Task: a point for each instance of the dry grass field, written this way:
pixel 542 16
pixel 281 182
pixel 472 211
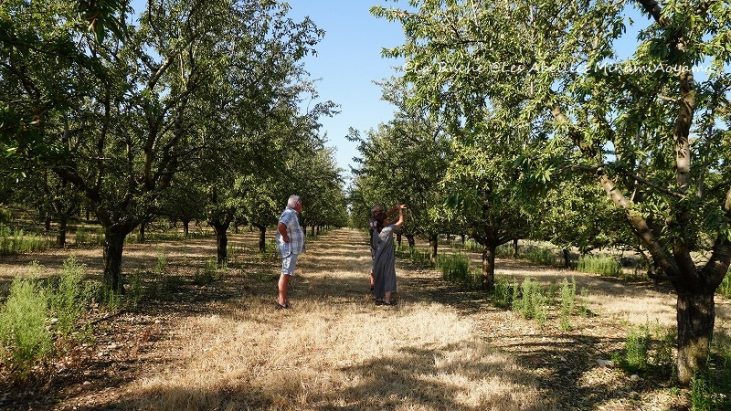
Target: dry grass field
pixel 223 346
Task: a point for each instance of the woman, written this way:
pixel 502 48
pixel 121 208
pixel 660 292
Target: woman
pixel 384 261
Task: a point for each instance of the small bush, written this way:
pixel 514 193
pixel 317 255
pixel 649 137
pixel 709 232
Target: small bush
pixel 5 215
pixel 87 236
pixel 602 265
pixel 23 322
pixel 540 256
pixel 725 288
pixel 532 302
pixel 66 301
pixel 505 251
pixel 15 242
pixel 503 296
pixel 568 302
pixel 162 262
pixel 710 387
pixel 208 275
pixel 413 255
pixel 472 245
pixel 455 267
pixel 134 289
pixel 637 349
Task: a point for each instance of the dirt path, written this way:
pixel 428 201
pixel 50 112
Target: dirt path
pixel 223 346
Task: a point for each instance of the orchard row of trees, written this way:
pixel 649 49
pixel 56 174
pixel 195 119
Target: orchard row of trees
pixel 188 108
pixel 528 120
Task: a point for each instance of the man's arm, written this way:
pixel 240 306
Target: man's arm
pixel 283 231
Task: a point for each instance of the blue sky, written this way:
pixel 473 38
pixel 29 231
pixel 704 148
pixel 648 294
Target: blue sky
pixel 348 61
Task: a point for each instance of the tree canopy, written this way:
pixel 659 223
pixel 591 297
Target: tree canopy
pixel 651 131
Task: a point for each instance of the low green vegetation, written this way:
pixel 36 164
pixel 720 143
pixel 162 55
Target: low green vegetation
pixel 455 267
pixel 710 387
pixel 414 255
pixel 38 312
pixel 24 321
pixel 725 288
pixel 533 301
pixel 20 241
pixel 602 264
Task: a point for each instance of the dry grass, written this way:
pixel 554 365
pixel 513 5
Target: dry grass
pixel 333 350
pixel 224 347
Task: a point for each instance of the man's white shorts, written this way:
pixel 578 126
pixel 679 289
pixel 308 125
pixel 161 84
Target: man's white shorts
pixel 288 264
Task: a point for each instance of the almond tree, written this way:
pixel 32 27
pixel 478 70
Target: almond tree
pixel 403 162
pixel 118 119
pixel 652 129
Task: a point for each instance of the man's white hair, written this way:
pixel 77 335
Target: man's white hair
pixel 293 201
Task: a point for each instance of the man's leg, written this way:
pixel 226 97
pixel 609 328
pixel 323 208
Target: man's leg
pixel 288 264
pixel 283 284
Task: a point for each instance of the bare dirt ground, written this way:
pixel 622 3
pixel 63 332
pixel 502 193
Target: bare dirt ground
pixel 224 346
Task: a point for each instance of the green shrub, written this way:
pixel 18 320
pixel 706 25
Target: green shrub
pixel 162 262
pixel 602 265
pixel 67 301
pixel 568 302
pixel 503 296
pixel 88 236
pixel 540 255
pixel 23 322
pixel 472 245
pixel 134 289
pixel 637 349
pixel 455 267
pixel 702 391
pixel 413 255
pixel 532 301
pixel 710 387
pixel 14 242
pixel 209 274
pixel 725 288
pixel 5 215
pixel 504 251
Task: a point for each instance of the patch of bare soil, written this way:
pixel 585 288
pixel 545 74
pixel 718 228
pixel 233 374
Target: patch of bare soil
pixel 139 343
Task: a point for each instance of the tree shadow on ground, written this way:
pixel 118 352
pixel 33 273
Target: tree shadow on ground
pixel 387 382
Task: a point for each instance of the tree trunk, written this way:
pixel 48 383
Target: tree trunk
pixel 515 248
pixel 221 230
pixel 62 227
pixel 433 247
pixel 186 224
pixel 113 245
pixel 566 258
pixel 488 268
pixel 696 316
pixel 142 232
pixel 262 238
pixel 410 239
pixel 398 238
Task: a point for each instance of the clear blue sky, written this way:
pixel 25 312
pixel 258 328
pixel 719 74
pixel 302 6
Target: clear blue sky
pixel 348 61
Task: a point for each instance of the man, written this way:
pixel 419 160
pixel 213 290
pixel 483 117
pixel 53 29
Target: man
pixel 290 243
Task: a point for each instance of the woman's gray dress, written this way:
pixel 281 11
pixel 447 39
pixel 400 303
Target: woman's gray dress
pixel 384 262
